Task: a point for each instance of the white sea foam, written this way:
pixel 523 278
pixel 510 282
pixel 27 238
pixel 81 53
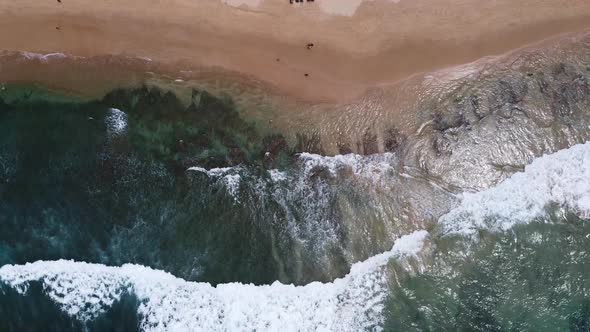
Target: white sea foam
pixel 372 167
pixel 213 172
pixel 315 182
pixel 229 176
pixel 277 176
pixel 232 183
pixel 352 303
pixel 116 121
pixel 198 169
pixel 562 178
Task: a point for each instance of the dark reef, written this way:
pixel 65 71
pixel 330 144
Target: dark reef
pixel 106 181
pixel 73 187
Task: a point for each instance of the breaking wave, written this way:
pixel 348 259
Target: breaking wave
pixel 560 178
pixel 351 303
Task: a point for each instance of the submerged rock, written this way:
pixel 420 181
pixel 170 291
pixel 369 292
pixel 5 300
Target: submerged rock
pixel 502 118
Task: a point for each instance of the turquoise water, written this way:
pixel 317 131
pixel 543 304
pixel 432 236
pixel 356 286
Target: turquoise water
pixel 197 191
pixel 532 278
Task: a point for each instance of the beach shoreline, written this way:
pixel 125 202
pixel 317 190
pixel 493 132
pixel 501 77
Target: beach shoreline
pixel 383 42
pixel 362 125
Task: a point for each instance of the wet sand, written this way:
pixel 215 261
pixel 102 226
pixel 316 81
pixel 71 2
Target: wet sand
pixel 380 43
pixel 361 125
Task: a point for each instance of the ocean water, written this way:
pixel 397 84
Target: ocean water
pixel 510 258
pixel 135 212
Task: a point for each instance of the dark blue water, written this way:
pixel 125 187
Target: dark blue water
pixel 77 183
pixel 36 312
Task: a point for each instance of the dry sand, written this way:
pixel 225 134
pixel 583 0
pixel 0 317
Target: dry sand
pixel 357 44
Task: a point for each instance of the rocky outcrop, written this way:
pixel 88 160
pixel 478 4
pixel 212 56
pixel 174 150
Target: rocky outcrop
pixel 487 128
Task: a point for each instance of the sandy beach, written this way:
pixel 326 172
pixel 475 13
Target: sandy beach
pixel 356 44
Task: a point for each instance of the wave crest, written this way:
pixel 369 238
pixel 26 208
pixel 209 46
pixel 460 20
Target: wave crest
pixel 351 303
